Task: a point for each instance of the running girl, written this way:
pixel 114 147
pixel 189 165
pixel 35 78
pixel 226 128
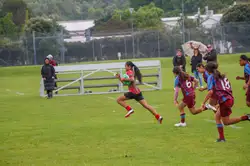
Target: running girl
pixel 244 61
pixel 134 92
pixel 185 82
pixel 213 101
pixel 220 85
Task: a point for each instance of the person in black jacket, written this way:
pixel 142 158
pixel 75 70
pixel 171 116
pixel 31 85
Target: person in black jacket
pixel 48 75
pixel 195 60
pixel 211 56
pixel 180 60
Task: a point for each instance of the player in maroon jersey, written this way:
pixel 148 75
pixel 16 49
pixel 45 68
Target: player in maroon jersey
pixel 186 83
pixel 134 92
pixel 244 61
pixel 212 101
pixel 220 85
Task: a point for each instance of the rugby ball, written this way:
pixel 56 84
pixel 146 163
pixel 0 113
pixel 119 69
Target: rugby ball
pixel 126 82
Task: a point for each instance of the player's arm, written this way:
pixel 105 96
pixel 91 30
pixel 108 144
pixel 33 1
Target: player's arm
pixel 130 78
pixel 247 70
pixel 208 96
pixel 210 90
pixel 176 90
pixel 195 81
pixel 247 84
pixel 176 94
pixel 240 78
pixel 43 73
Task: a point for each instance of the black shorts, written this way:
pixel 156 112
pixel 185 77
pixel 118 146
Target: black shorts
pixel 137 97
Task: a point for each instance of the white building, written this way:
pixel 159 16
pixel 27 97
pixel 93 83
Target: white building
pixel 78 28
pixel 207 20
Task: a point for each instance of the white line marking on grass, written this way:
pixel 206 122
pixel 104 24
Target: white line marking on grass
pixel 111 98
pixel 232 126
pixel 19 93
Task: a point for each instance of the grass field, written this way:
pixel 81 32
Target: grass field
pixel 91 130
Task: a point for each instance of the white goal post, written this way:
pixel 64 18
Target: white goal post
pixel 87 72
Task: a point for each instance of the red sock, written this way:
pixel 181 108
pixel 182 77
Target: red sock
pixel 244 118
pixel 157 116
pixel 221 131
pixel 128 108
pixel 183 116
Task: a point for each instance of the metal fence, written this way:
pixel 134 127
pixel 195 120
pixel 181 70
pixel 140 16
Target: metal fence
pixel 31 49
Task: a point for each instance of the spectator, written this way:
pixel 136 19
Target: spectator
pixel 211 55
pixel 195 60
pixel 51 60
pixel 53 63
pixel 48 75
pixel 180 60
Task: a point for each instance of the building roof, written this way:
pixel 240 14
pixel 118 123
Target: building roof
pixel 78 25
pixel 209 20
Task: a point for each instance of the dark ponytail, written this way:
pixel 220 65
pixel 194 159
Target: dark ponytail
pixel 136 70
pixel 200 65
pixel 183 76
pixel 244 58
pixel 212 67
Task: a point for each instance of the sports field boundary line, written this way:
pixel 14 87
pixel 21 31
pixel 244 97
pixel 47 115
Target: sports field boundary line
pixel 17 93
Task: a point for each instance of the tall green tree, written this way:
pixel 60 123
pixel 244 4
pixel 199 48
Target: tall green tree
pixel 236 24
pixel 17 8
pixel 146 17
pixel 238 13
pixel 7 26
pixel 149 16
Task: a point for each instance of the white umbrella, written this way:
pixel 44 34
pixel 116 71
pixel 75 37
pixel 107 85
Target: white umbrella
pixel 190 45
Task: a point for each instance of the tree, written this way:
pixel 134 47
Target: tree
pixel 17 8
pixel 42 25
pixel 7 27
pixel 238 13
pixel 48 37
pixel 146 17
pixel 149 16
pixel 236 26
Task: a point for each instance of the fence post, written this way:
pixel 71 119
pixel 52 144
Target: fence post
pixel 62 46
pixel 34 47
pixel 93 47
pixel 125 44
pixel 159 52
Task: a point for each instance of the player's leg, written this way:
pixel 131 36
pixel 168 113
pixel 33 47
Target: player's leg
pixel 229 121
pixel 182 123
pixel 144 103
pixel 212 105
pixel 248 104
pixel 219 126
pixel 200 79
pixel 198 76
pixel 190 102
pixel 226 110
pixel 48 95
pixel 248 97
pixel 196 111
pixel 121 100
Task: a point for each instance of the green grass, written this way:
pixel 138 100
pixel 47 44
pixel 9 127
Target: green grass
pixel 91 130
